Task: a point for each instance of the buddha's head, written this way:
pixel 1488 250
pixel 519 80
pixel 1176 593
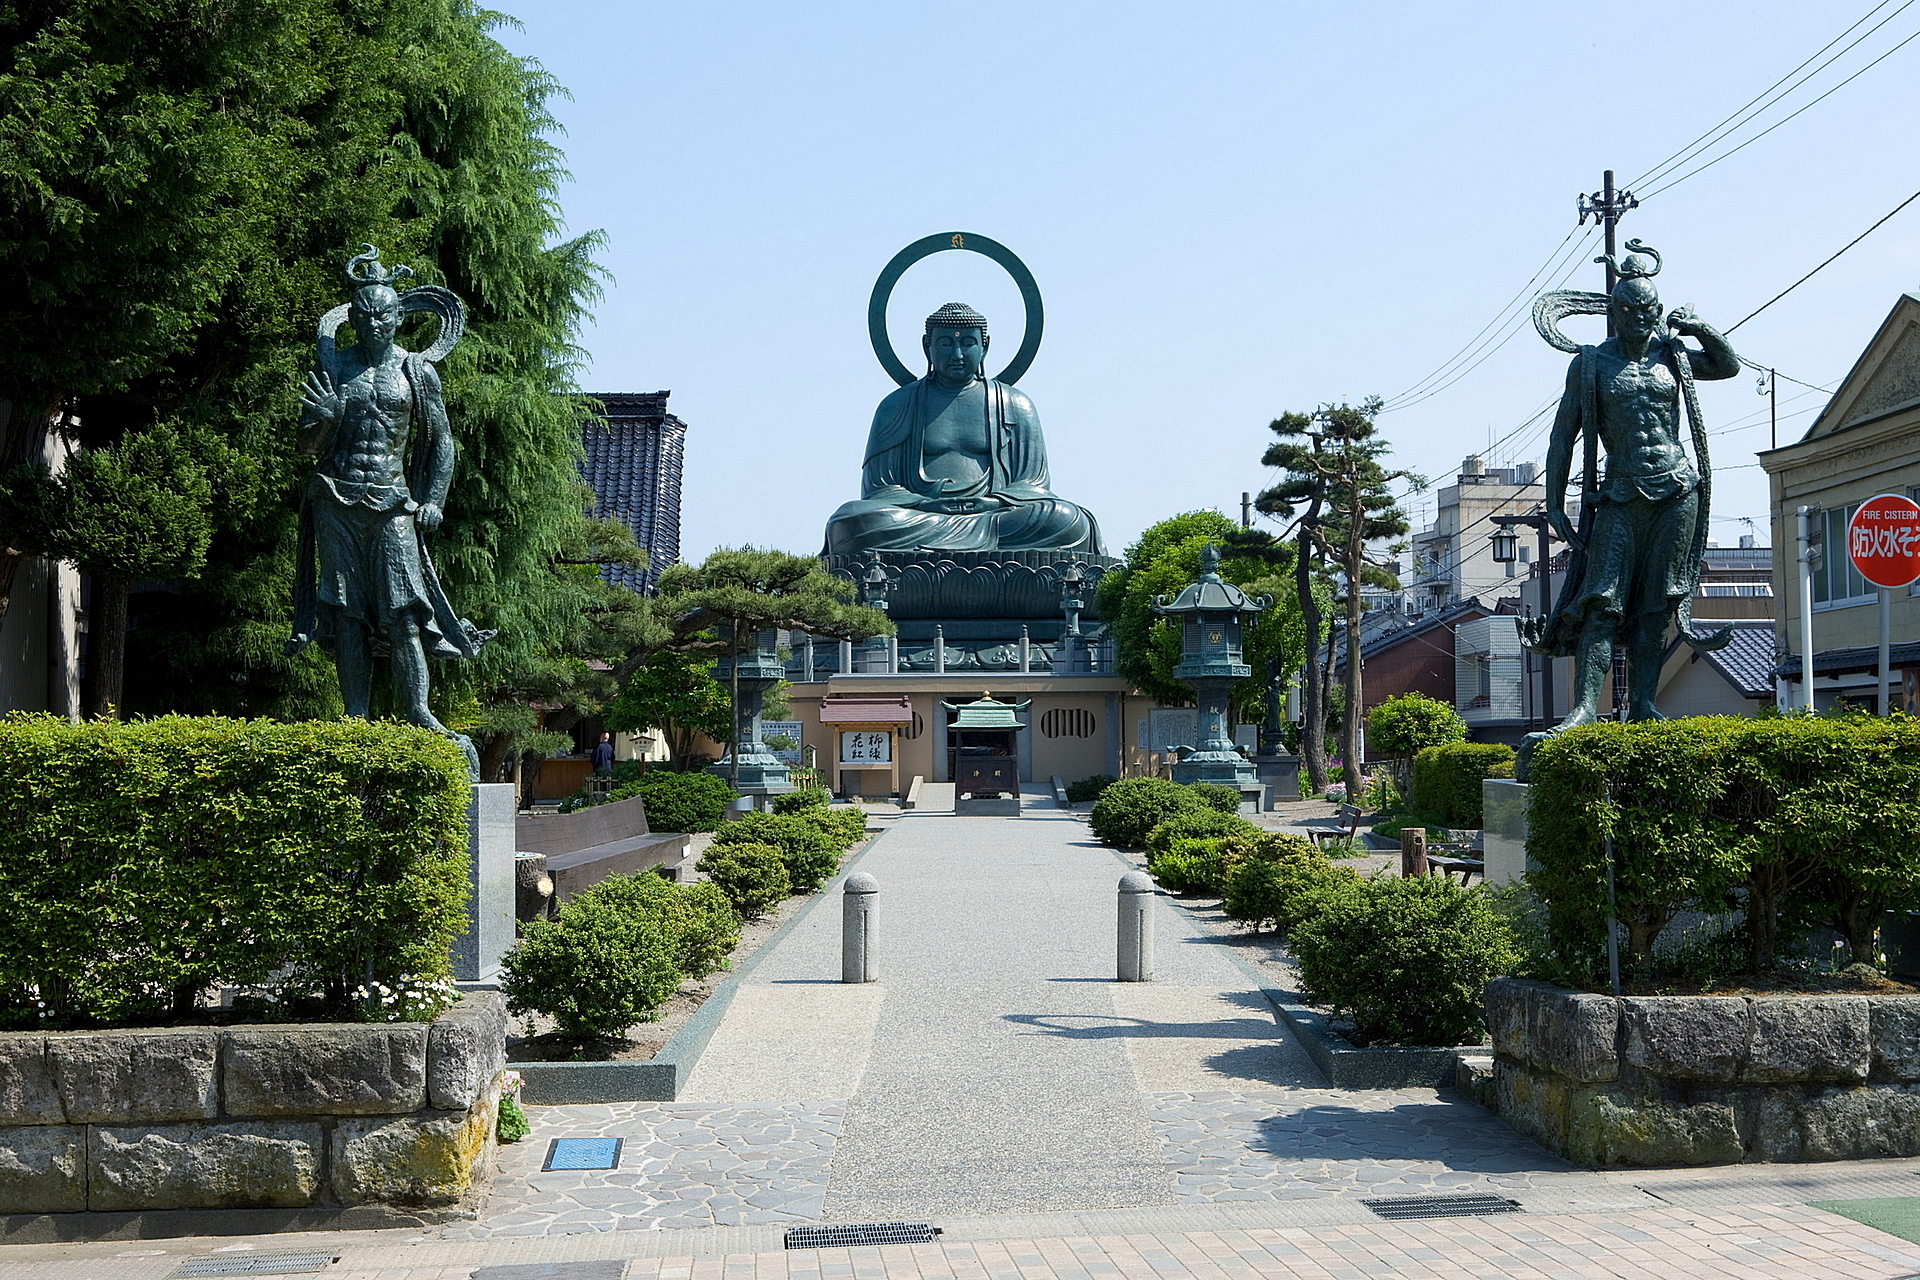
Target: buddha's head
pixel 1634 305
pixel 956 344
pixel 375 314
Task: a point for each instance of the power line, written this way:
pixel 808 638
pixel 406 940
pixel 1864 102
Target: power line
pixel 1824 265
pixel 1770 128
pixel 1552 262
pixel 1742 114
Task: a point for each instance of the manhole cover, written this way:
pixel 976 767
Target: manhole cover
pixel 1460 1206
pixel 252 1264
pixel 861 1233
pixel 582 1153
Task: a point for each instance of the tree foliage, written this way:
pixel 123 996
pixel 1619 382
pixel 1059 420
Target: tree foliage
pixel 677 694
pixel 1165 560
pixel 184 181
pixel 1339 493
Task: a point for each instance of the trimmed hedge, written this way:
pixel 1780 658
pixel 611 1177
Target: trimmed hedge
pixel 1088 788
pixel 149 861
pixel 1281 893
pixel 810 854
pixel 802 798
pixel 1407 960
pixel 752 876
pixel 1197 824
pixel 845 827
pixel 701 919
pixel 1216 797
pixel 596 970
pixel 1132 807
pixel 1803 820
pixel 1446 780
pixel 679 802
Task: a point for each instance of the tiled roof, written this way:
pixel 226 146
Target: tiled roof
pixel 634 451
pixel 1834 662
pixel 1748 659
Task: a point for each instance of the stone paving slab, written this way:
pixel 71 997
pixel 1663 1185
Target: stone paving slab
pixel 1752 1242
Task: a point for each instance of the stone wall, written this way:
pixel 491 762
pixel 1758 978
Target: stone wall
pixel 1690 1080
pixel 251 1117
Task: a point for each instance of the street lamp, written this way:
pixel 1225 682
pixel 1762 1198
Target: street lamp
pixel 1506 550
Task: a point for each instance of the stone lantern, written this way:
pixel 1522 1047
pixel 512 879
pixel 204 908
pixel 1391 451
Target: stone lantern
pixel 1210 613
pixel 752 673
pixel 876 654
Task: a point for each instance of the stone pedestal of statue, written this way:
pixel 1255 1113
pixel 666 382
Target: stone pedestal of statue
pixel 476 954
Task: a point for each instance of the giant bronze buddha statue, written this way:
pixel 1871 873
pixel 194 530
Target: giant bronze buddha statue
pixel 956 462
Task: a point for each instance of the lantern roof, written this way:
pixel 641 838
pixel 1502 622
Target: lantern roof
pixel 1210 593
pixel 986 713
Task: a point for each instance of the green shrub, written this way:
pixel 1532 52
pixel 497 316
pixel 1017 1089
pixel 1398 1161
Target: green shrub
pixel 1279 893
pixel 688 802
pixel 845 827
pixel 1409 723
pixel 809 853
pixel 595 971
pixel 1216 797
pixel 1089 788
pixel 1407 960
pixel 1807 819
pixel 1191 823
pixel 752 876
pixel 512 1125
pixel 149 861
pixel 699 916
pixel 1446 779
pixel 802 798
pixel 1190 865
pixel 1130 808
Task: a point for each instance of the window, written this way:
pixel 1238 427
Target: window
pixel 1736 589
pixel 914 730
pixel 1835 583
pixel 1067 722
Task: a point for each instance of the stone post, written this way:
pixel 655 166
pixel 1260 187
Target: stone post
pixel 476 953
pixel 857 899
pixel 1026 652
pixel 1135 959
pixel 939 650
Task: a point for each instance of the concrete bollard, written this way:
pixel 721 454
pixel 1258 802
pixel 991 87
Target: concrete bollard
pixel 856 927
pixel 1135 963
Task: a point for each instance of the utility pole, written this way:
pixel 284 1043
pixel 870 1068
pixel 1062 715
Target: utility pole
pixel 1246 511
pixel 1605 207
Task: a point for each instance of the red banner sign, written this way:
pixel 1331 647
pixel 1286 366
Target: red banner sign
pixel 1883 540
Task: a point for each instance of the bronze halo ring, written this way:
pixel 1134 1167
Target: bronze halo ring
pixel 890 276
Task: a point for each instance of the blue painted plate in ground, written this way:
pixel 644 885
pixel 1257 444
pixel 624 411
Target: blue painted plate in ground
pixel 582 1153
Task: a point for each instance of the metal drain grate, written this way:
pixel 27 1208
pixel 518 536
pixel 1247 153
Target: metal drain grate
pixel 582 1153
pixel 252 1264
pixel 1461 1206
pixel 861 1233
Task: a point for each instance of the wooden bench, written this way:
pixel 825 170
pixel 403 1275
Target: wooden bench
pixel 1342 826
pixel 1447 859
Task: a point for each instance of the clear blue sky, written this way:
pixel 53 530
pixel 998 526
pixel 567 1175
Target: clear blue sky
pixel 1232 210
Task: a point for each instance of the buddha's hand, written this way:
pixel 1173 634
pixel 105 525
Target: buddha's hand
pixel 320 398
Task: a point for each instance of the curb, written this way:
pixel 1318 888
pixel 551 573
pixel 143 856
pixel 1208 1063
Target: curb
pixel 1346 1066
pixel 547 1084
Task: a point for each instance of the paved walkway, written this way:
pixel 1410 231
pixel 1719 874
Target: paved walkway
pixel 1057 1125
pixel 996 1067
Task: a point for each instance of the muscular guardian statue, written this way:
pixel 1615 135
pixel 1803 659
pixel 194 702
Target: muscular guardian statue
pixel 365 586
pixel 956 462
pixel 1635 556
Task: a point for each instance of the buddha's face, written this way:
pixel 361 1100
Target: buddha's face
pixel 375 314
pixel 955 355
pixel 1635 310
